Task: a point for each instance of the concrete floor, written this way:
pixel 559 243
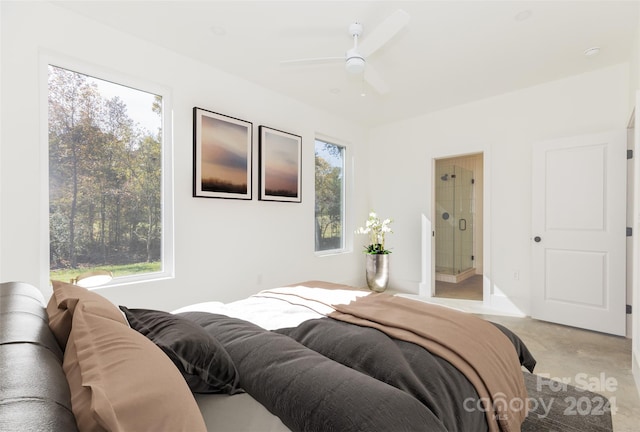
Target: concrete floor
pixel 583 358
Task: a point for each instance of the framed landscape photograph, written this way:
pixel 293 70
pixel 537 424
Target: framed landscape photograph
pixel 280 165
pixel 221 155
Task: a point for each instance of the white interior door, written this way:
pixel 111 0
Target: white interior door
pixel 579 236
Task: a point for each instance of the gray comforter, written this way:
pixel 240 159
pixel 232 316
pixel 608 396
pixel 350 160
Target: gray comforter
pixel 328 375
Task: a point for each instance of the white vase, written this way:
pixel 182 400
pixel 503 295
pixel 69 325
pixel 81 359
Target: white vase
pixel 377 267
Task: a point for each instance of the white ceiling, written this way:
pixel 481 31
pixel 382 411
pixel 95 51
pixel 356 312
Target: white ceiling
pixel 450 53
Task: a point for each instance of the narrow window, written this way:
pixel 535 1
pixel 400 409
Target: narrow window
pixel 329 198
pixel 105 177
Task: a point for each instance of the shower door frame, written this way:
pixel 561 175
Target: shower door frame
pixel 453 241
pixel 482 228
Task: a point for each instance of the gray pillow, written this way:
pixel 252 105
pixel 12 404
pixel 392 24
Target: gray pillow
pixel 201 359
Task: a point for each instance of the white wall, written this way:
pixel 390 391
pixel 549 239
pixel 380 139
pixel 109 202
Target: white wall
pixel 635 102
pixel 224 249
pixel 504 128
pixel 228 249
pixel 2 42
pixel 635 239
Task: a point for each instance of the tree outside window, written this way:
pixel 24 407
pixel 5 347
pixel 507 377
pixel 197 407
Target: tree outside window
pixel 329 196
pixel 105 177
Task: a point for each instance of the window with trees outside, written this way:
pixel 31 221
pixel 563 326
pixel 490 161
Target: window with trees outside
pixel 105 177
pixel 329 196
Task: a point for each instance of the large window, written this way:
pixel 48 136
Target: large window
pixel 105 177
pixel 329 212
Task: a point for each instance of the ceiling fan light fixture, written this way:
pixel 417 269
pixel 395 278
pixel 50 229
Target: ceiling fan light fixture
pixel 355 65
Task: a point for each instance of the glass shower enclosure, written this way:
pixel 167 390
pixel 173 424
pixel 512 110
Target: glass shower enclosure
pixel 454 221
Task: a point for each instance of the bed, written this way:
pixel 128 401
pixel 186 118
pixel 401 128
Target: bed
pixel 312 356
pixel 397 384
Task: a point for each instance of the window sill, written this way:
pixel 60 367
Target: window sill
pixel 333 252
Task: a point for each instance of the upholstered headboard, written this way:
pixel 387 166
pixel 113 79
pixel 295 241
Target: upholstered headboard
pixel 34 394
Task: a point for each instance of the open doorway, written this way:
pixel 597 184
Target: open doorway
pixel 458 185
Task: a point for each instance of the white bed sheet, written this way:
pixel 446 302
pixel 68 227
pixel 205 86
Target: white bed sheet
pixel 270 314
pixel 280 307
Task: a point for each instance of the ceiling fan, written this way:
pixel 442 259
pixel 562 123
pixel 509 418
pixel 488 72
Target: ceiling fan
pixel 355 57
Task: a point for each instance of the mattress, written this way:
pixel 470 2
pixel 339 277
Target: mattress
pixel 237 413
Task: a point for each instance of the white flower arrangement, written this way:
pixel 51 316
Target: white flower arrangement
pixel 376 229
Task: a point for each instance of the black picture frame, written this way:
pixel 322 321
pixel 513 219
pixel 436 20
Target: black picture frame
pixel 222 156
pixel 280 158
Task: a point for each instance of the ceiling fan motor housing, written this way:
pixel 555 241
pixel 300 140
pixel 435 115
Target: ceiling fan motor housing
pixel 355 62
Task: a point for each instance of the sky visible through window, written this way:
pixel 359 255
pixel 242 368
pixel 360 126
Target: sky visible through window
pixel 138 102
pixel 333 159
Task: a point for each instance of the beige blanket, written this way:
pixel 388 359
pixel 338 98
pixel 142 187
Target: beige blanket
pixel 474 346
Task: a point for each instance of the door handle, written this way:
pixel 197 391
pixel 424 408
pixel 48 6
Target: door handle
pixel 462 224
pixel 537 239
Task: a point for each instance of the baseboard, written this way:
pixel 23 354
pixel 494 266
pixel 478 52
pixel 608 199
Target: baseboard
pixel 504 305
pixel 424 290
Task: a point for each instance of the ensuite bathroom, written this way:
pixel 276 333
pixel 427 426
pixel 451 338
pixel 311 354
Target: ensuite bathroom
pixel 458 185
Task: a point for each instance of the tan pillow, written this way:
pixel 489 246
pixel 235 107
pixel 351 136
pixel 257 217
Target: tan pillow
pixel 132 385
pixel 63 302
pixel 80 396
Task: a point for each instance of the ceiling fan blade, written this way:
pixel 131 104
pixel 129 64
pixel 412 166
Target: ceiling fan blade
pixel 375 80
pixel 383 32
pixel 312 61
